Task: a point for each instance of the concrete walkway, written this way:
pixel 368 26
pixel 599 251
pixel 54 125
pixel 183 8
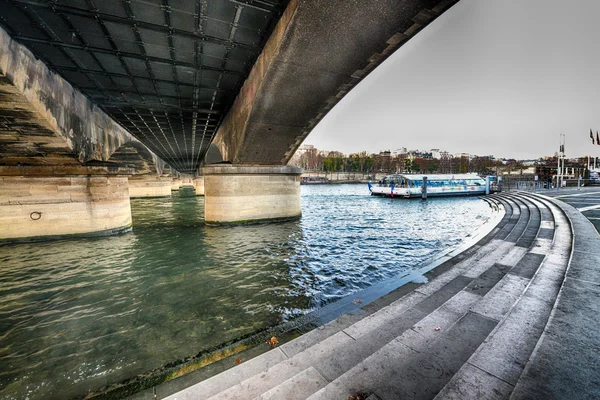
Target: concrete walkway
pixel 514 316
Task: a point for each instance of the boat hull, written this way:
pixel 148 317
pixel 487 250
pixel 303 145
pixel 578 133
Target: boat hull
pixel 431 192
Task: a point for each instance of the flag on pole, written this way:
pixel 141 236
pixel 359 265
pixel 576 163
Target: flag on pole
pixel 592 137
pixel 597 139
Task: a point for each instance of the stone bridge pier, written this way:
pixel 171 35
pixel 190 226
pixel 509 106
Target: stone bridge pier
pixel 150 186
pixel 237 194
pixel 57 202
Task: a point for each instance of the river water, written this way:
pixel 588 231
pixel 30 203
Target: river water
pixel 79 314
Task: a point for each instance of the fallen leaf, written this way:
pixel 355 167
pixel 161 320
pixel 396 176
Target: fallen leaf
pixel 238 360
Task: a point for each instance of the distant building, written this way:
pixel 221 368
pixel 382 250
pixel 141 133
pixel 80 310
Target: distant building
pixel 304 148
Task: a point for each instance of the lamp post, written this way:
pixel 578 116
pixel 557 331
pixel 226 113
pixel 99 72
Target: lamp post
pixel 561 149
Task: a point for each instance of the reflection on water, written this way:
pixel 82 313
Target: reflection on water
pixel 79 314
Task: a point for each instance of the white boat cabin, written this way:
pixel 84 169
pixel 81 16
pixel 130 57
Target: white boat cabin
pixel 411 185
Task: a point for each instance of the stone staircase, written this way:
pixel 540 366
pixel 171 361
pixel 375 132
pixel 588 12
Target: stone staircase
pixel 468 333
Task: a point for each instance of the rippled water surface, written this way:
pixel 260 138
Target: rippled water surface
pixel 79 314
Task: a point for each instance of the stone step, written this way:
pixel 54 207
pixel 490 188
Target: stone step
pixel 564 364
pixel 367 332
pixel 495 368
pixel 445 306
pixel 360 379
pixel 400 371
pixel 335 349
pixel 298 387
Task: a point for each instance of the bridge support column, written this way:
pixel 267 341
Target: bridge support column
pixel 149 186
pixel 175 184
pixel 199 185
pixel 41 203
pixel 238 194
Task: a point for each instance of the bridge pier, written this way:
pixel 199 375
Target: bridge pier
pixel 199 185
pixel 239 194
pixel 176 184
pixel 149 186
pixel 38 203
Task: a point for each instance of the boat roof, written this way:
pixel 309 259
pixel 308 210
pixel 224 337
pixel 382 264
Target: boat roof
pixel 437 177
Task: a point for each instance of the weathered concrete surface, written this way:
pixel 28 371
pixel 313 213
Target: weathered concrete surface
pixel 246 194
pixel 317 53
pixel 149 186
pixel 199 185
pixel 43 207
pixel 45 121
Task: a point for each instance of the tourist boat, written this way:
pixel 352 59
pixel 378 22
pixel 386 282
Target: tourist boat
pixel 410 185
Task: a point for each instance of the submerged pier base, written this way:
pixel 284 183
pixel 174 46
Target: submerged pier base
pixel 236 194
pixel 40 203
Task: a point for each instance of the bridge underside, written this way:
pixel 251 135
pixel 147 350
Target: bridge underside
pixel 317 53
pixel 138 83
pixel 165 70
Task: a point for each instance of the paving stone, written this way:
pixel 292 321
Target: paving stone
pixel 506 352
pixel 298 387
pixel 541 246
pixel 385 316
pixel 444 318
pixel 319 334
pixel 513 256
pixel 337 354
pixel 231 377
pixel 498 301
pixel 472 383
pixel 547 224
pixel 547 216
pixel 482 265
pixel 547 282
pixel 398 372
pixel 520 227
pixel 395 295
pixel 546 233
pixel 486 281
pixel 584 266
pixel 504 232
pixel 528 265
pixel 566 364
pixel 334 355
pixel 395 327
pixel 443 294
pixel 259 383
pixel 442 280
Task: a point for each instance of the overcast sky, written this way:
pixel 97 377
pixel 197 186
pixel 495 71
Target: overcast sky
pixel 501 77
